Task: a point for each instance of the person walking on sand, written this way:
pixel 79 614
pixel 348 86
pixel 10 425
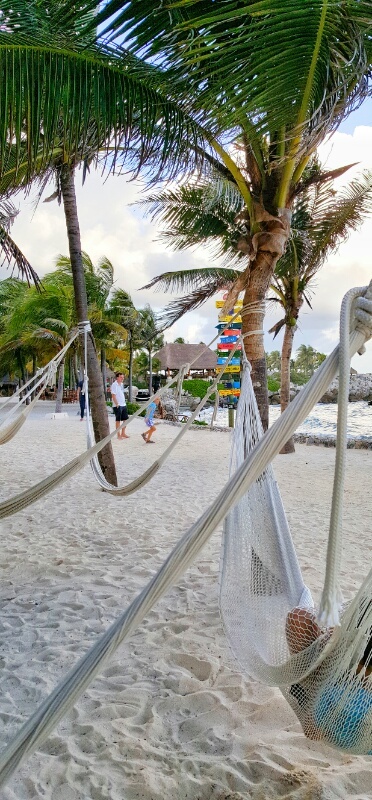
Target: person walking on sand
pixel 81 399
pixel 149 421
pixel 119 404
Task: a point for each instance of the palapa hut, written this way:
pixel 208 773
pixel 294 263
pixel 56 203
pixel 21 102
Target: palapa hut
pixel 173 356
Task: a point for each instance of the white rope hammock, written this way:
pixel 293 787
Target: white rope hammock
pixel 146 476
pixel 16 503
pixel 36 385
pixel 42 722
pixel 323 666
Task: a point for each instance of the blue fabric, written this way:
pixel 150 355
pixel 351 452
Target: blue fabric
pixel 340 713
pixel 150 413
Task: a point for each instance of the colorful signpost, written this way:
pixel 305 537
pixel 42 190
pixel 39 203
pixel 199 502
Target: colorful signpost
pixel 229 328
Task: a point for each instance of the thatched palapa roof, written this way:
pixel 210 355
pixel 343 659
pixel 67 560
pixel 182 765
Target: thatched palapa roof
pixel 173 356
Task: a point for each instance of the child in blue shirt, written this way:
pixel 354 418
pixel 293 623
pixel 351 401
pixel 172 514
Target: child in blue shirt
pixel 149 421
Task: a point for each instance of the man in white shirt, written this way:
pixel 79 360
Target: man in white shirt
pixel 119 404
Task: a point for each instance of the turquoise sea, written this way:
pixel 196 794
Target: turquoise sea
pixel 321 421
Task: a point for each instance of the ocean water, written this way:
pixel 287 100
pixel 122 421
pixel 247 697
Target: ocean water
pixel 321 421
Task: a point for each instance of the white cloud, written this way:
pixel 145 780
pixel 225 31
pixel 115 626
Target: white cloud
pixel 111 226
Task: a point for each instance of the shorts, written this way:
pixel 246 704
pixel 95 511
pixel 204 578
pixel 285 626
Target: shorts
pixel 121 413
pixel 149 422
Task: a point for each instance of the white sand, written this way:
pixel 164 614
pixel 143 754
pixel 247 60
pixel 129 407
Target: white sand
pixel 172 717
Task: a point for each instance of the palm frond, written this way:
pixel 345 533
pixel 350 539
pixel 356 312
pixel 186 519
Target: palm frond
pixel 186 279
pixel 85 101
pixel 10 253
pixel 257 55
pixel 177 308
pixel 195 214
pixel 337 216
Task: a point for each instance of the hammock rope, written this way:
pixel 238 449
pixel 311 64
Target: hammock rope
pixel 332 600
pixel 39 725
pixel 323 668
pixel 37 384
pixel 146 476
pixel 19 501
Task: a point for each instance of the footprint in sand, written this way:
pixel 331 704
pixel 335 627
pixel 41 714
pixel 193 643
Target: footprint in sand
pixel 201 670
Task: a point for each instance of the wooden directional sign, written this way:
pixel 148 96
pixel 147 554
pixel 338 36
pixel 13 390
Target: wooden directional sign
pixel 221 303
pixel 229 319
pixel 234 361
pixel 234 368
pixel 229 346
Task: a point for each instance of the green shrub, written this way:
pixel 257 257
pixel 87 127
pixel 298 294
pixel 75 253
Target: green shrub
pixel 132 408
pixel 196 387
pixel 200 422
pixel 273 385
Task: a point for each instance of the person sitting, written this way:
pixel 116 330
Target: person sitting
pixel 337 711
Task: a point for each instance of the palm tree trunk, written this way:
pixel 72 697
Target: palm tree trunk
pixel 150 371
pixel 21 366
pixel 34 369
pixel 130 373
pixel 75 369
pixel 270 244
pixel 285 379
pixel 103 370
pixel 96 393
pixel 61 378
pixel 254 297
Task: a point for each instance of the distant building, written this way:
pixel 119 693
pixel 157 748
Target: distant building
pixel 8 385
pixel 173 356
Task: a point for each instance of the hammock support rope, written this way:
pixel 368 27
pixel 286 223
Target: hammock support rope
pixel 42 722
pixel 36 385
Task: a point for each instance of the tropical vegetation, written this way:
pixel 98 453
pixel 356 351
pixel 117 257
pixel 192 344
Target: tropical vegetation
pixel 71 100
pixel 36 323
pixel 267 81
pixel 321 219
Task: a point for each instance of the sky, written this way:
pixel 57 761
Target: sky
pixel 112 225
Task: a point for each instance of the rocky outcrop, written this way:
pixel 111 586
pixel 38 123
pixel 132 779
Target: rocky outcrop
pixel 360 389
pixel 168 406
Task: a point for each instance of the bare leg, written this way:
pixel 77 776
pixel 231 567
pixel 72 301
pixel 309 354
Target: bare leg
pixel 124 434
pixel 301 630
pixel 149 433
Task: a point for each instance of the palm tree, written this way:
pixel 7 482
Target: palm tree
pixel 76 100
pixel 150 338
pixel 273 361
pixel 322 219
pixel 13 357
pixel 124 312
pixel 267 81
pixel 38 325
pixel 306 360
pixel 99 280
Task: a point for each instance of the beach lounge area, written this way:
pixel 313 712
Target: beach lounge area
pixel 172 715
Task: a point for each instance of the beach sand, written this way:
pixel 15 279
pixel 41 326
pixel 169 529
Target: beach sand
pixel 172 716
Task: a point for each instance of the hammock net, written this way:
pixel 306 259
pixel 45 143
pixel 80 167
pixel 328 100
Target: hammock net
pixel 269 615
